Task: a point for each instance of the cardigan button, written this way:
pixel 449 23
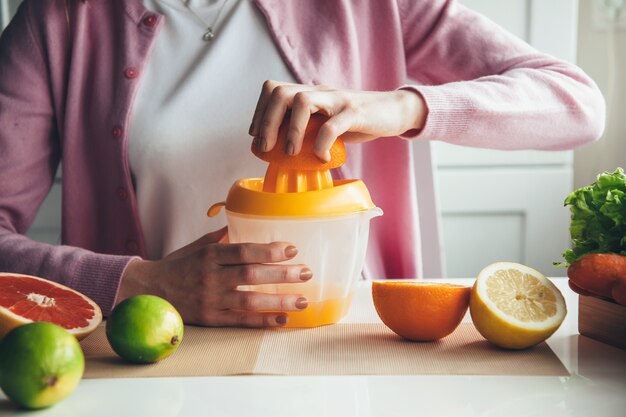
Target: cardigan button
pixel 131 72
pixel 117 132
pixel 132 246
pixel 122 194
pixel 149 21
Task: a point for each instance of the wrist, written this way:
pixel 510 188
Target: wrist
pixel 133 281
pixel 414 107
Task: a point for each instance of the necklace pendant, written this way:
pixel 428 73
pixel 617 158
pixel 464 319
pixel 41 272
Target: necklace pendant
pixel 208 35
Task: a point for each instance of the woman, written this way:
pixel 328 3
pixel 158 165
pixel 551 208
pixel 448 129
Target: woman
pixel 145 109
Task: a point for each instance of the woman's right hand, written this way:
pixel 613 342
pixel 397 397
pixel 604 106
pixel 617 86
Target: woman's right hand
pixel 201 281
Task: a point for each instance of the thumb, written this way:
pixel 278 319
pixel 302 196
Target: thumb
pixel 218 236
pixel 224 238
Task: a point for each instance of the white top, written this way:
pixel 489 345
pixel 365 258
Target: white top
pixel 189 125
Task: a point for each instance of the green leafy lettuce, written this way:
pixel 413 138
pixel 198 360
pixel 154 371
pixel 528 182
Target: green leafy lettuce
pixel 598 222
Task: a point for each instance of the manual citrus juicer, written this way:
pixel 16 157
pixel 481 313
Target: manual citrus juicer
pixel 327 220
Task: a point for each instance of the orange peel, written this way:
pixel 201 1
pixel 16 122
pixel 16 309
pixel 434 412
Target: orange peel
pixel 304 171
pixel 420 311
pixel 305 159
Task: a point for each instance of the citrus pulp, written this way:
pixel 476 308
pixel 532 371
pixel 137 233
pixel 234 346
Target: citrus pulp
pixel 25 299
pixel 514 306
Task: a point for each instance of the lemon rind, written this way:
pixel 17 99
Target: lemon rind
pixel 550 323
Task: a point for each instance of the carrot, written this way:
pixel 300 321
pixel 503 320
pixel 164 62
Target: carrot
pixel 577 289
pixel 602 274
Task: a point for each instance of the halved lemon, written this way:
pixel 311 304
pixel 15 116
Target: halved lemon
pixel 514 306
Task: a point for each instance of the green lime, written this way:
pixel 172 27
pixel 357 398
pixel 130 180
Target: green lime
pixel 40 364
pixel 144 329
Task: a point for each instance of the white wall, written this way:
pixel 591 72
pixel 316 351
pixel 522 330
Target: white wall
pixel 7 9
pixel 602 54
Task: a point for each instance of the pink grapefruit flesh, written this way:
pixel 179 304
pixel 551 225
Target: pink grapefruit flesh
pixel 25 299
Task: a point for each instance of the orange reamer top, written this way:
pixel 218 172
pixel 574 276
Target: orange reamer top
pixel 304 171
pixel 297 185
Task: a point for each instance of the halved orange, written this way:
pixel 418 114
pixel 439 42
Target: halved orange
pixel 420 311
pixel 26 299
pixel 306 160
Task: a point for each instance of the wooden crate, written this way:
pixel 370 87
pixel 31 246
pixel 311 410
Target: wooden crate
pixel 602 320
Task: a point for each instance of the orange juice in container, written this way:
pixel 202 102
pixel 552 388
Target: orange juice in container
pixel 326 219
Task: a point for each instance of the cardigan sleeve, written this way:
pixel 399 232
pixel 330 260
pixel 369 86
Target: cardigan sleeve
pixel 486 88
pixel 30 152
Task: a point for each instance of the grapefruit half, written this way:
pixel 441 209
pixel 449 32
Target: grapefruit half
pixel 25 299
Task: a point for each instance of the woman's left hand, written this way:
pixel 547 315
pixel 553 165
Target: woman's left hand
pixel 357 115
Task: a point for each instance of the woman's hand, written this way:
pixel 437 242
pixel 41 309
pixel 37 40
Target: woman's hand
pixel 201 281
pixel 357 115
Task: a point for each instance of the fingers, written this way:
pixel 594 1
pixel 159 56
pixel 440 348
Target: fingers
pixel 330 130
pixel 255 309
pixel 228 318
pixel 218 236
pixel 304 104
pixel 261 104
pixel 271 106
pixel 257 301
pixel 213 237
pixel 253 253
pixel 256 274
pixel 280 99
pixel 300 115
pixel 359 115
pixel 273 103
pixel 277 98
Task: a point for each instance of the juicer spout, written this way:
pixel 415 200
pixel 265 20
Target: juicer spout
pixel 373 212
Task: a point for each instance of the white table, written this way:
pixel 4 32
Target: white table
pixel 596 387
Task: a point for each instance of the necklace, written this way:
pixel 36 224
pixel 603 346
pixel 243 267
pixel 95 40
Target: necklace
pixel 209 34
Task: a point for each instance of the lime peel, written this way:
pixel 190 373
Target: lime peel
pixel 144 329
pixel 40 364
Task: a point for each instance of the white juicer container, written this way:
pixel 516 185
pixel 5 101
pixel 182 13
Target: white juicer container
pixel 329 227
pixel 332 246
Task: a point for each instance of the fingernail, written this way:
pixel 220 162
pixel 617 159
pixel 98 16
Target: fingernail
pixel 301 303
pixel 306 274
pixel 263 145
pixel 291 251
pixel 281 319
pixel 325 156
pixel 290 148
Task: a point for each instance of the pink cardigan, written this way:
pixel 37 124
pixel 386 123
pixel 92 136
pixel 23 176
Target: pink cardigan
pixel 67 85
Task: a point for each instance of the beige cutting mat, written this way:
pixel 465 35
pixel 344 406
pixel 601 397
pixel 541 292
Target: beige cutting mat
pixel 341 349
pixel 203 352
pixel 372 349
